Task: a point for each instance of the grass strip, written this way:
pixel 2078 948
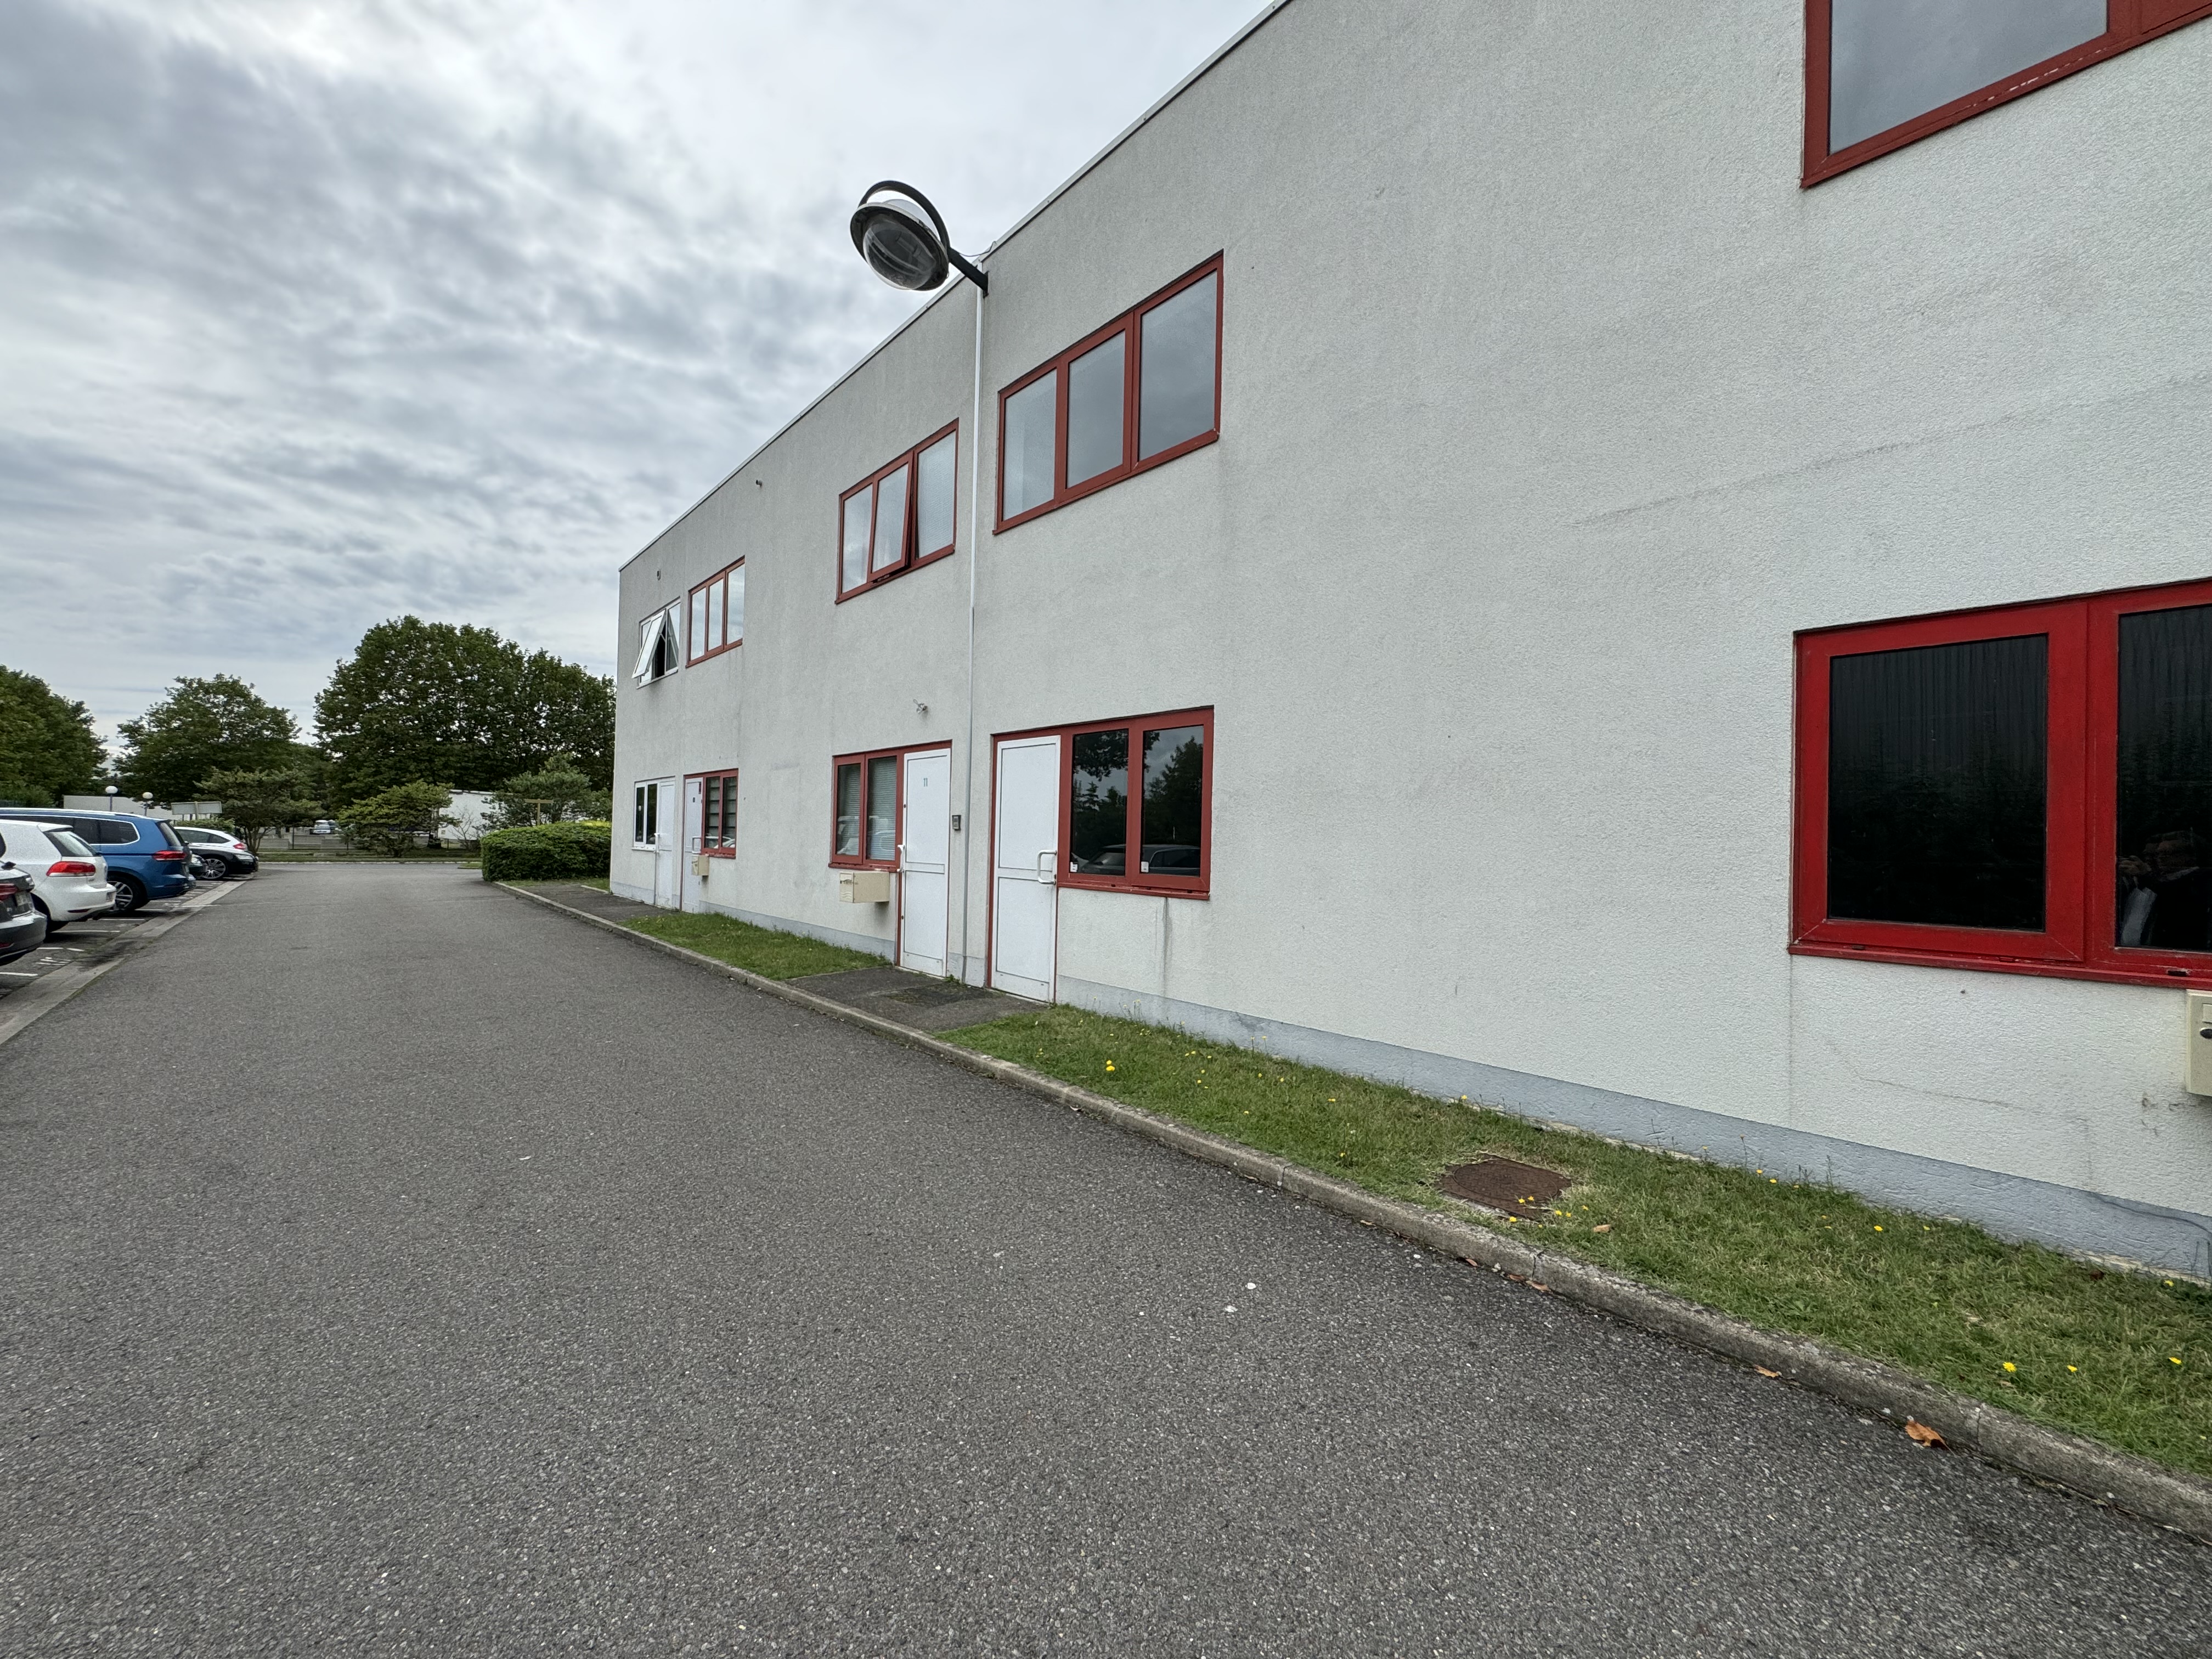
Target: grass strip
pixel 757 950
pixel 2122 1358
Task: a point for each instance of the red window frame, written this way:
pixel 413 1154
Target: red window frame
pixel 914 556
pixel 721 788
pixel 1129 324
pixel 1137 726
pixel 2128 24
pixel 691 613
pixel 2081 831
pixel 861 757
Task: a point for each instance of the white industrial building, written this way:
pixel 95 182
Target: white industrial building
pixel 1644 565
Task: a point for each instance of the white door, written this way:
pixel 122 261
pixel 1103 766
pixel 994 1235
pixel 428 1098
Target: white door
pixel 925 849
pixel 1025 859
pixel 665 856
pixel 695 897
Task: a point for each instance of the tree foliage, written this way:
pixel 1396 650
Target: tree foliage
pixel 558 791
pixel 255 803
pixel 47 748
pixel 434 700
pixel 389 820
pixel 220 723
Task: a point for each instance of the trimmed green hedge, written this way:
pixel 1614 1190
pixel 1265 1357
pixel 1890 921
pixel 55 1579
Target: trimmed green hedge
pixel 547 852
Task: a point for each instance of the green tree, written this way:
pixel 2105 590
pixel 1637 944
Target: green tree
pixel 258 802
pixel 420 699
pixel 389 820
pixel 220 723
pixel 47 749
pixel 558 791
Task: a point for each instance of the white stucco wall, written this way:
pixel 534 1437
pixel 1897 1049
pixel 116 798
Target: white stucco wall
pixel 1551 409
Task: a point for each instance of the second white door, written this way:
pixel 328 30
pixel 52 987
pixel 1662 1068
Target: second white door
pixel 925 860
pixel 1025 866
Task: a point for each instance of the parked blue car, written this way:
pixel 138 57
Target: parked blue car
pixel 145 859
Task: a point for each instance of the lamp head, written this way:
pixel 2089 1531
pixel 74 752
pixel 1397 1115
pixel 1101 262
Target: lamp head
pixel 898 233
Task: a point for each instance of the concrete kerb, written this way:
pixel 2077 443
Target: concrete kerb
pixel 47 993
pixel 2083 1466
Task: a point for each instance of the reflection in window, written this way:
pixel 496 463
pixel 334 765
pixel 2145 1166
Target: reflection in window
pixel 718 823
pixel 699 623
pixel 890 522
pixel 2165 785
pixel 735 614
pixel 1890 60
pixel 1098 803
pixel 882 806
pixel 933 497
pixel 1174 803
pixel 849 810
pixel 859 506
pixel 1095 385
pixel 1936 758
pixel 1174 400
pixel 1026 477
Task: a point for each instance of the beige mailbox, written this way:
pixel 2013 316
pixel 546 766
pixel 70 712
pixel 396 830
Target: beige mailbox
pixel 864 886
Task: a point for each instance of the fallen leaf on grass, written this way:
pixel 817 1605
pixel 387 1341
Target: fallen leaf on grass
pixel 1606 1227
pixel 1763 1371
pixel 1921 1435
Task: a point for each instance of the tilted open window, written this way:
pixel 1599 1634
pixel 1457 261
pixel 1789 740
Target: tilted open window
pixel 658 651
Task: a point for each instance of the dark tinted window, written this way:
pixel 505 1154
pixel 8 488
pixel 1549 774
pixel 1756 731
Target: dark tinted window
pixel 1098 803
pixel 1096 383
pixel 1174 802
pixel 1936 784
pixel 2164 804
pixel 882 806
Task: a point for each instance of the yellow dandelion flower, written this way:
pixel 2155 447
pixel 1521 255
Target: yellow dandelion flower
pixel 2175 1358
pixel 2073 1368
pixel 2010 1366
pixel 1877 1226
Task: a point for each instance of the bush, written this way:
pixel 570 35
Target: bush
pixel 547 852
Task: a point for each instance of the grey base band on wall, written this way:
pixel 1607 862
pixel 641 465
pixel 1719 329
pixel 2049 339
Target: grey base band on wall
pixel 2135 1484
pixel 2016 1208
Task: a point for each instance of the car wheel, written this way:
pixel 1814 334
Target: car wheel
pixel 129 894
pixel 217 866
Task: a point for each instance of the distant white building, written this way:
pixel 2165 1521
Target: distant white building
pixel 104 803
pixel 1645 565
pixel 469 808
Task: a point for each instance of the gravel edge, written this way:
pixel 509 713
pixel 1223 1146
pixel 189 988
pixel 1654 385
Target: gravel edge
pixel 2084 1466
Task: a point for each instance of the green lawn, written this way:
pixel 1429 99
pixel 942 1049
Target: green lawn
pixel 757 950
pixel 2125 1358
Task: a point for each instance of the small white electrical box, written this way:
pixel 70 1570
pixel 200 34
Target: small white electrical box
pixel 2199 1005
pixel 701 865
pixel 864 887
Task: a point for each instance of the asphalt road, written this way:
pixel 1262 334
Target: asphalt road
pixel 488 1285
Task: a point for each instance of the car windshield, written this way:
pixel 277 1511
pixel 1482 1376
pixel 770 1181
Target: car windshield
pixel 68 844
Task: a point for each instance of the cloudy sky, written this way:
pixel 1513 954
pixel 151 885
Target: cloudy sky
pixel 315 312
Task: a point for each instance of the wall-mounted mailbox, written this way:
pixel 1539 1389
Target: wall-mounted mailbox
pixel 701 864
pixel 864 886
pixel 2199 1039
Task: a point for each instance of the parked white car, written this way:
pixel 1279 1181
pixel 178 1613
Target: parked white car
pixel 68 880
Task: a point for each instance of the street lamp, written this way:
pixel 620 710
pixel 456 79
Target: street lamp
pixel 902 235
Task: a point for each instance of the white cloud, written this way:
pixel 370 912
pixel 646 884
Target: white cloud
pixel 315 313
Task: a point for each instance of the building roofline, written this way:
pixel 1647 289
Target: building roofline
pixel 1072 179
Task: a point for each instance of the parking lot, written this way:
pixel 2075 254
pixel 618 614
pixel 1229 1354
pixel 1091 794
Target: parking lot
pixel 85 944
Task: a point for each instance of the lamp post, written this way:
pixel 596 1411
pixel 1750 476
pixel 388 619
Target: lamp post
pixel 902 235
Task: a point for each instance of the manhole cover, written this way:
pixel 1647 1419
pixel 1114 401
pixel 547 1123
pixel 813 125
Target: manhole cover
pixel 1499 1184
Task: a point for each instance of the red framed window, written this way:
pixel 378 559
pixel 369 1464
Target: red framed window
pixel 1133 395
pixel 1141 785
pixel 1880 74
pixel 718 613
pixel 2027 789
pixel 718 814
pixel 864 826
pixel 900 517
